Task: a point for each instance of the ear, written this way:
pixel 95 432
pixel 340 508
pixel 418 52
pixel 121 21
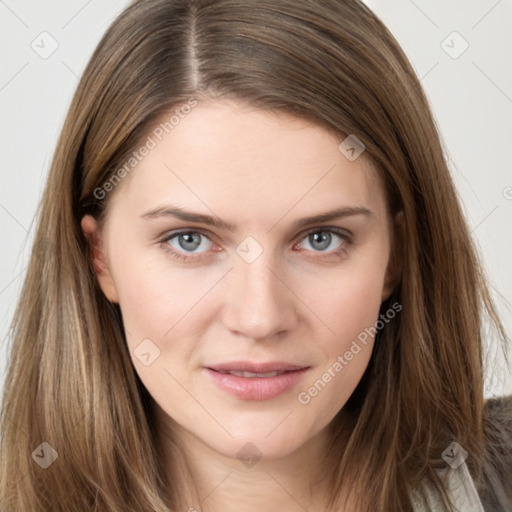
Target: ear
pixel 395 264
pixel 98 257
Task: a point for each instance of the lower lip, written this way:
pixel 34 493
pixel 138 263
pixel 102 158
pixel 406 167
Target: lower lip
pixel 256 388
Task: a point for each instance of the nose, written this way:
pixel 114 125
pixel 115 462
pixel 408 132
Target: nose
pixel 259 302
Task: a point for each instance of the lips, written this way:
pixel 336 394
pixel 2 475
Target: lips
pixel 251 374
pixel 256 381
pixel 248 366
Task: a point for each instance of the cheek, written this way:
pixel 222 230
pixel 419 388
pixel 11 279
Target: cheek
pixel 349 307
pixel 346 353
pixel 154 297
pixel 158 314
pixel 348 350
pixel 349 302
pixel 165 313
pixel 144 300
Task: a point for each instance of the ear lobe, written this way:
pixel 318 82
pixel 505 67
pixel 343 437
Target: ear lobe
pixel 395 264
pixel 98 257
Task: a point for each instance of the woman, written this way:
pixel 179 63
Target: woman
pixel 253 286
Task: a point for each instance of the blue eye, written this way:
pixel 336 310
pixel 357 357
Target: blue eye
pixel 321 240
pixel 187 241
pixel 184 245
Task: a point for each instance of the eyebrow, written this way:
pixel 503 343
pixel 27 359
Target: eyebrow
pixel 201 218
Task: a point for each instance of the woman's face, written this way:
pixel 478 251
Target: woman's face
pixel 209 252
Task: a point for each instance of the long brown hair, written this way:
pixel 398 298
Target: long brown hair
pixel 70 380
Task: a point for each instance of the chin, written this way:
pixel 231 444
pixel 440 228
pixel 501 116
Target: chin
pixel 257 444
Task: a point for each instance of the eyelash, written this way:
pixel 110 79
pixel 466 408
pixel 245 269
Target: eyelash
pixel 340 251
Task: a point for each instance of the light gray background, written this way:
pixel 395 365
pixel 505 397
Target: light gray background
pixel 470 93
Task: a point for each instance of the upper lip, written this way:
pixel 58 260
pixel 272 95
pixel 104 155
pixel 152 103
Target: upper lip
pixel 248 366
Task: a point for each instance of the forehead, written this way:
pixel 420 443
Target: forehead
pixel 224 154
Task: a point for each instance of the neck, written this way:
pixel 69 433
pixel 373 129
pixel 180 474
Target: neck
pixel 203 479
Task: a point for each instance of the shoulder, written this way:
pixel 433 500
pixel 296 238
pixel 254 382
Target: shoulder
pixel 496 488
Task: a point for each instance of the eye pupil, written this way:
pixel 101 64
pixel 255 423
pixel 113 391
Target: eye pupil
pixel 189 241
pixel 323 237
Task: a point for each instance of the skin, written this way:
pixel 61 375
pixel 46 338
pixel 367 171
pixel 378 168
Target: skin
pixel 297 302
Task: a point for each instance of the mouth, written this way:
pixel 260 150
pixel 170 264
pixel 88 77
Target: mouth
pixel 256 381
pixel 251 374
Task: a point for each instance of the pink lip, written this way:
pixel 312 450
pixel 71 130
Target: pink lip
pixel 248 366
pixel 256 388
